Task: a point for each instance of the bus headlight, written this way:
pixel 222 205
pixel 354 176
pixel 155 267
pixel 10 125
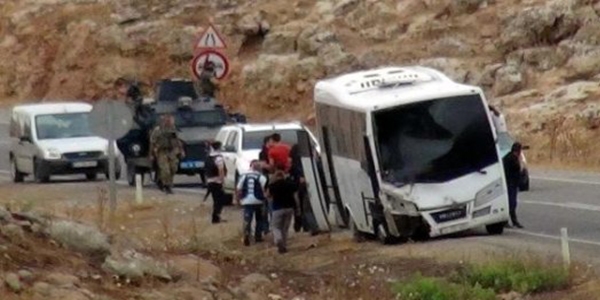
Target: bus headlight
pixel 489 193
pixel 402 206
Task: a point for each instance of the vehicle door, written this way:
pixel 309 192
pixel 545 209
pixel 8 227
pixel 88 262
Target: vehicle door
pixel 318 197
pixel 230 155
pixel 26 147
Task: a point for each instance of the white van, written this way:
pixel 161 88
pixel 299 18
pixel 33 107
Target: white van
pixel 55 139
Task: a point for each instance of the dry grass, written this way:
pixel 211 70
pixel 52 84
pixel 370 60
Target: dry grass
pixel 565 143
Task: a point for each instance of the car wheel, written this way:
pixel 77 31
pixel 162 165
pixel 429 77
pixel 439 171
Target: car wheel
pixel 91 176
pixel 37 174
pixel 496 229
pixel 14 171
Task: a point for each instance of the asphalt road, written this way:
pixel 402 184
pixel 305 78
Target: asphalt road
pixel 557 199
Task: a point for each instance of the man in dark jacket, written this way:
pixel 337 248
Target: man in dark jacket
pixel 512 171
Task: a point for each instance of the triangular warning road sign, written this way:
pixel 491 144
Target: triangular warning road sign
pixel 211 39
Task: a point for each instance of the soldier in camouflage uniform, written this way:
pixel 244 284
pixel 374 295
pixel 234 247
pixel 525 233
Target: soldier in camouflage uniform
pixel 167 150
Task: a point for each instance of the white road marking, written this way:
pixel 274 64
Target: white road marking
pixel 125 183
pixel 573 205
pixel 553 237
pixel 578 181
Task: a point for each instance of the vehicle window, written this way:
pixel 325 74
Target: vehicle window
pixel 505 142
pixel 434 141
pixel 253 140
pixel 173 90
pixel 232 139
pixel 61 126
pixel 221 136
pixel 205 118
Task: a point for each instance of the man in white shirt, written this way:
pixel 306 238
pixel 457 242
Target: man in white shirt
pixel 216 171
pixel 251 190
pixel 498 120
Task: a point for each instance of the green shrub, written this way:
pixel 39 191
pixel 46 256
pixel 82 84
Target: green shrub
pixel 430 288
pixel 520 276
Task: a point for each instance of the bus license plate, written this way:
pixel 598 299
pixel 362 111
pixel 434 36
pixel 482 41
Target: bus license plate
pixel 191 164
pixel 85 164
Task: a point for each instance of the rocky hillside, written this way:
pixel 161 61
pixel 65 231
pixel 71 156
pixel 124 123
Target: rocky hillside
pixel 537 59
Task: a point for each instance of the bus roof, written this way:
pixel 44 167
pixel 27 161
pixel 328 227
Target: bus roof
pixel 388 87
pixel 53 108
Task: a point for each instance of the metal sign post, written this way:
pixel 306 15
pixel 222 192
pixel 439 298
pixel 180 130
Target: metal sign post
pixel 111 120
pixel 111 162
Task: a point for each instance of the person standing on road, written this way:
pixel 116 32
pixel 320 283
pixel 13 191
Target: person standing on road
pixel 168 151
pixel 282 191
pixel 251 192
pixel 512 171
pixel 215 176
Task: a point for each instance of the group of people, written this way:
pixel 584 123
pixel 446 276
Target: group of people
pixel 271 193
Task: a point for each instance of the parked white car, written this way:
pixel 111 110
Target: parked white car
pixel 241 143
pixel 55 139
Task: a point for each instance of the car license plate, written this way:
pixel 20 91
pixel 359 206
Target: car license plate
pixel 191 164
pixel 85 164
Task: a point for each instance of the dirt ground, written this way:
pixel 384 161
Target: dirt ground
pixel 327 266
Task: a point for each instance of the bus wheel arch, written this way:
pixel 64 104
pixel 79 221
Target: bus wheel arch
pixel 357 235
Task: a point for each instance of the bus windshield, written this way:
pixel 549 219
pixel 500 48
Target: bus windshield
pixel 62 126
pixel 434 141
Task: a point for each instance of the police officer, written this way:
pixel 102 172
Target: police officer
pixel 167 150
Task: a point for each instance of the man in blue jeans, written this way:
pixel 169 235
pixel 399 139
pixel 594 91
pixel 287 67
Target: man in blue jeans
pixel 251 192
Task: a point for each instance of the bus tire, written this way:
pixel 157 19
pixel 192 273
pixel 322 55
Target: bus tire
pixel 496 229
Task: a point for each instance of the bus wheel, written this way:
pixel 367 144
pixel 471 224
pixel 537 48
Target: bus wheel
pixel 495 229
pixel 383 235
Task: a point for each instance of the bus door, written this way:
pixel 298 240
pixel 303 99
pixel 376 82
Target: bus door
pixel 313 174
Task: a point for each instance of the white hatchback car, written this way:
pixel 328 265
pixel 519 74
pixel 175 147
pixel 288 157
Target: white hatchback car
pixel 242 143
pixel 55 139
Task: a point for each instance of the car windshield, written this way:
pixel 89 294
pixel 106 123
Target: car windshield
pixel 253 140
pixel 62 126
pixel 173 90
pixel 204 118
pixel 434 141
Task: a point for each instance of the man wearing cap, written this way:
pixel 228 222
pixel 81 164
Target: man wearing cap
pixel 512 171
